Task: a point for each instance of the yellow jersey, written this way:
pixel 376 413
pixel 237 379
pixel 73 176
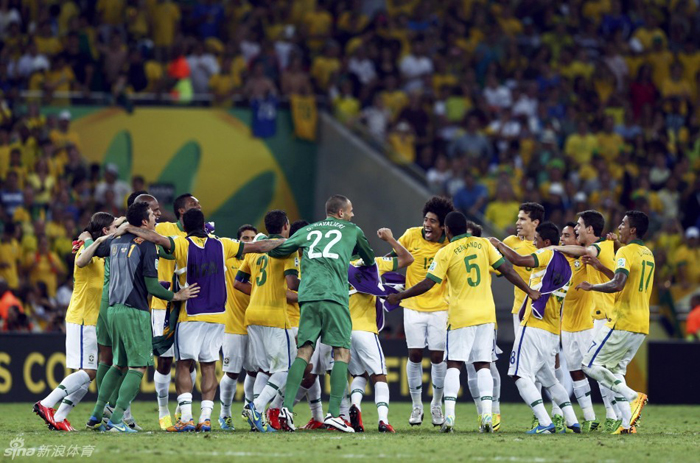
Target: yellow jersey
pixel 602 302
pixel 423 252
pixel 231 249
pixel 268 296
pixel 293 309
pixel 552 312
pixel 304 116
pixel 631 309
pixel 576 313
pixel 236 301
pixel 88 282
pixel 166 267
pixel 10 254
pixel 466 262
pixel 363 309
pixel 524 248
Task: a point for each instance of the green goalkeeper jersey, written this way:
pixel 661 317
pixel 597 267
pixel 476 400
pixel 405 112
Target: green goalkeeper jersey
pixel 328 247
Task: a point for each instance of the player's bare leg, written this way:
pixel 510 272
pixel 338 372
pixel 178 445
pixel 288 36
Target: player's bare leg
pixel 209 384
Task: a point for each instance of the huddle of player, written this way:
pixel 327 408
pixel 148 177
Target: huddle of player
pixel 247 299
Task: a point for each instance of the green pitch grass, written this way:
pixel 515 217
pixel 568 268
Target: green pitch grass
pixel 666 434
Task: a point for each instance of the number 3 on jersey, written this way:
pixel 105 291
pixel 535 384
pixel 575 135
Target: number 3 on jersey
pixel 317 236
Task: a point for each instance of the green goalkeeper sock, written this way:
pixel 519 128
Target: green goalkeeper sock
pixel 110 382
pixel 115 393
pixel 102 370
pixel 127 392
pixel 294 378
pixel 339 381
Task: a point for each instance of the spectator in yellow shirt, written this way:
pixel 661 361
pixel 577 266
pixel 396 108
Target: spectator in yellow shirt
pixel 222 85
pixel 45 266
pixel 165 26
pixel 45 41
pixel 318 27
pixel 676 85
pixel 42 183
pixel 345 106
pixel 580 146
pixel 687 258
pixel 609 142
pixel 503 211
pixel 403 142
pixel 324 67
pixel 660 59
pixel 393 98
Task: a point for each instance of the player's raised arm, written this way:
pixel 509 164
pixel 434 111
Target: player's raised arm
pixel 262 246
pixel 84 258
pixel 148 235
pixel 510 275
pixel 363 249
pixel 615 285
pixel 282 248
pixel 512 256
pixel 421 288
pixel 576 251
pixel 404 257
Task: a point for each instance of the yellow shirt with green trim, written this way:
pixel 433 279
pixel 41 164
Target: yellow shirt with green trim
pixel 166 268
pixel 524 248
pixel 551 320
pixel 181 246
pixel 423 252
pixel 466 262
pixel 631 309
pixel 602 302
pixel 293 309
pixel 236 301
pixel 88 281
pixel 576 313
pixel 363 309
pixel 268 296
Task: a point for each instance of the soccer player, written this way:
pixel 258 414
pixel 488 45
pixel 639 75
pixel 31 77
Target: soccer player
pixel 81 336
pixel 200 260
pixel 366 355
pixel 465 263
pixel 323 296
pixel 166 270
pixel 537 342
pixel 615 345
pixel 270 339
pixel 472 380
pixel 530 216
pixel 133 275
pixel 425 316
pixel 576 330
pixel 598 254
pixel 235 334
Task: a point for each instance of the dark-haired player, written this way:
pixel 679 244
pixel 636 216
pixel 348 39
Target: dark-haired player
pixel 235 336
pixel 537 342
pixel 166 270
pixel 425 316
pixel 615 345
pixel 81 331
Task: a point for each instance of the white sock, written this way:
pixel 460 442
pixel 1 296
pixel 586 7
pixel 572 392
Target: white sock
pixel 414 374
pixel 556 410
pixel 70 402
pixel 357 391
pixel 473 384
pixel 127 413
pixel 227 390
pixel 162 383
pixel 609 380
pixel 561 398
pixel 607 396
pixel 69 385
pixel 184 401
pixel 623 403
pixel 485 390
pixel 437 376
pixel 496 375
pixel 248 388
pixel 315 403
pixel 205 413
pixel 531 395
pixel 279 398
pixel 582 391
pixel 260 383
pixel 301 393
pixel 345 404
pixel 193 377
pixel 451 390
pixel 381 398
pixel 564 379
pixel 276 381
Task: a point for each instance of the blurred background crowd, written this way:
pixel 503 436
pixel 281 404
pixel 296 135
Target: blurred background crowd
pixel 574 104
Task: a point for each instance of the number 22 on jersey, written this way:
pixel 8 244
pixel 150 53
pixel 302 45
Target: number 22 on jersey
pixel 317 236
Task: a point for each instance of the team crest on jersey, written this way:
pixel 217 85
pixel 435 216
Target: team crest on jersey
pixel 432 266
pixel 621 262
pixel 577 264
pixel 138 240
pixel 387 259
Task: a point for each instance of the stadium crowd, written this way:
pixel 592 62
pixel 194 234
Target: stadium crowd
pixel 576 105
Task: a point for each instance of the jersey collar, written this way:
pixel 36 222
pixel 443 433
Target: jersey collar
pixel 269 237
pixel 639 242
pixel 179 226
pixel 441 240
pixel 601 239
pixel 459 237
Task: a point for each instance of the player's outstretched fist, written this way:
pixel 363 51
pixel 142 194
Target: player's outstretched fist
pixel 494 241
pixel 393 299
pixel 534 294
pixel 584 285
pixel 385 234
pixel 187 293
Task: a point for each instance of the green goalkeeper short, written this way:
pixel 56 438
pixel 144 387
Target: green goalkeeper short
pixel 327 320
